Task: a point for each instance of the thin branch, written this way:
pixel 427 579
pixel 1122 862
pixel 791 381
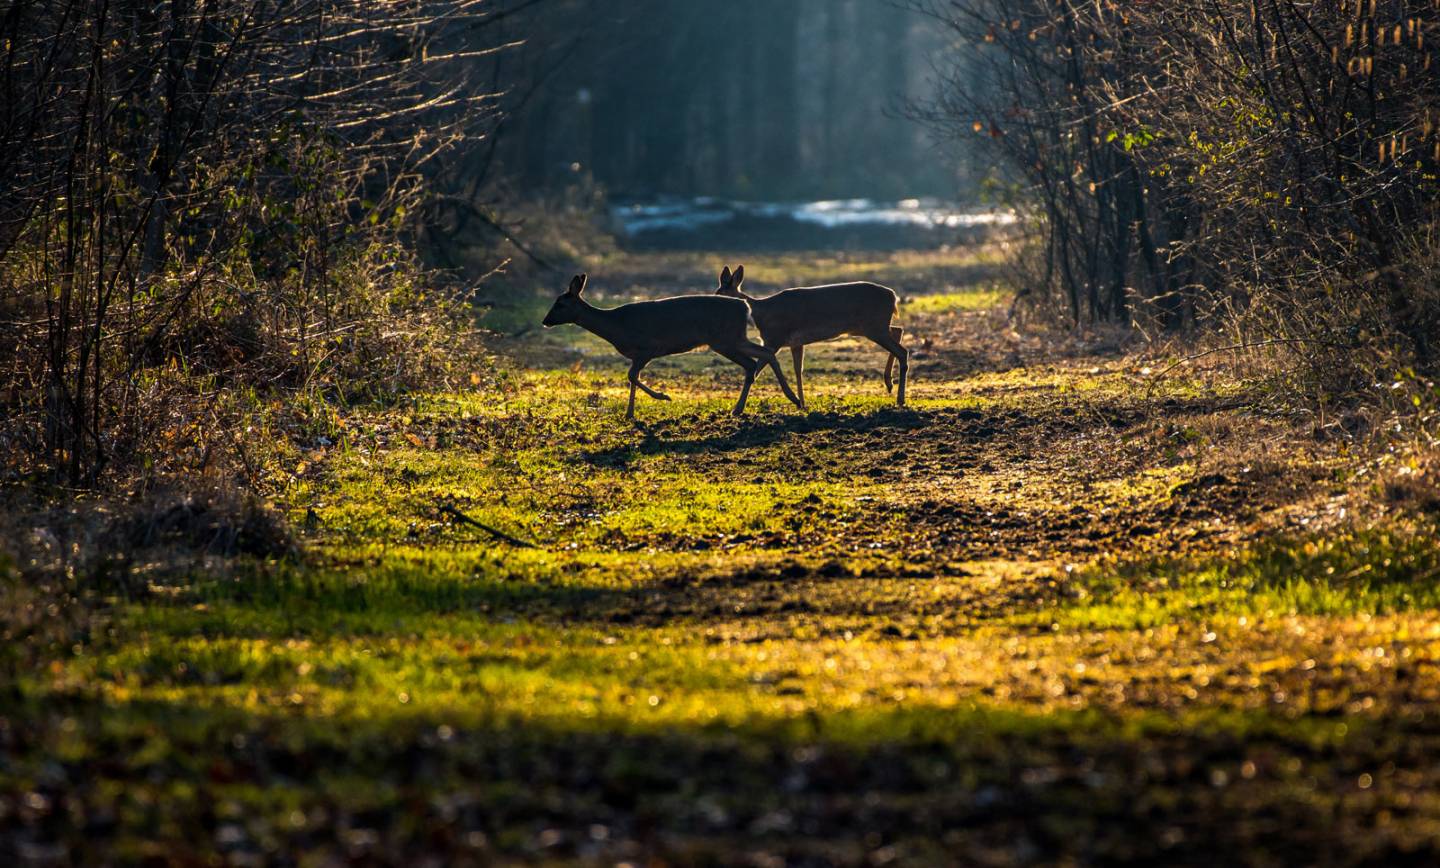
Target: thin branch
pixel 447 509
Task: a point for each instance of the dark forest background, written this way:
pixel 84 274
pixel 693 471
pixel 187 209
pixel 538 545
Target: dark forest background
pixel 750 99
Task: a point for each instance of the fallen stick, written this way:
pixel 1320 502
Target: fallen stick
pixel 461 517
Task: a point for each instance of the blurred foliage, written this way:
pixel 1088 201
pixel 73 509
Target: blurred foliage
pixel 748 99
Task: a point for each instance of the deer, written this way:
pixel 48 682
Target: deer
pixel 646 330
pixel 810 314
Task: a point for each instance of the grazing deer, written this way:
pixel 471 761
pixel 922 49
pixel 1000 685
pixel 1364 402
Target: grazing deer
pixel 647 330
pixel 809 314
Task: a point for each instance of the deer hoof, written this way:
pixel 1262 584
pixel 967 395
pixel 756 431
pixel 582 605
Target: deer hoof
pixel 661 396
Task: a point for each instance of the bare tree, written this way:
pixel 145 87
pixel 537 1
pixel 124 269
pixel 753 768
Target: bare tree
pixel 167 168
pixel 1258 160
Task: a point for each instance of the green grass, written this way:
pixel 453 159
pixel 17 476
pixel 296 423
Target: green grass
pixel 1046 613
pixel 1349 574
pixel 970 299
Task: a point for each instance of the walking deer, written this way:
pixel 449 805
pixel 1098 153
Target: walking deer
pixel 646 330
pixel 810 314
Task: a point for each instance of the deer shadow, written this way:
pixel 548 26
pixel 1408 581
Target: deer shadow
pixel 755 433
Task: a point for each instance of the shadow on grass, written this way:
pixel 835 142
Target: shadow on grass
pixel 893 426
pixel 178 782
pixel 767 598
pixel 885 423
pixel 1373 572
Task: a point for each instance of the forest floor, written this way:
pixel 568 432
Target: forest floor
pixel 1058 609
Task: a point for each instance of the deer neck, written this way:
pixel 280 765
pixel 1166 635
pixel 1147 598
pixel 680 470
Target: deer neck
pixel 601 323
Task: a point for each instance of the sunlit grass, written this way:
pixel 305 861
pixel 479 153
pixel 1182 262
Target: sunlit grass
pixel 978 298
pixel 1366 573
pixel 1020 577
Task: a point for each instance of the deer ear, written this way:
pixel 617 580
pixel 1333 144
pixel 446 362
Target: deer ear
pixel 725 278
pixel 577 284
pixel 739 276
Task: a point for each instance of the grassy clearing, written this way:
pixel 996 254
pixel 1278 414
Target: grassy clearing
pixel 984 297
pixel 1046 613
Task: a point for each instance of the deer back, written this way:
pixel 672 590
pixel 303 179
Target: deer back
pixel 675 325
pixel 808 314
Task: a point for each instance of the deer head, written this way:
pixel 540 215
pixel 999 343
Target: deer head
pixel 730 283
pixel 568 306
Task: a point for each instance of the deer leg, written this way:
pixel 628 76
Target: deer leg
pixel 636 366
pixel 797 356
pixel 895 332
pixel 745 389
pixel 750 366
pixel 635 381
pixel 766 357
pixel 897 350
